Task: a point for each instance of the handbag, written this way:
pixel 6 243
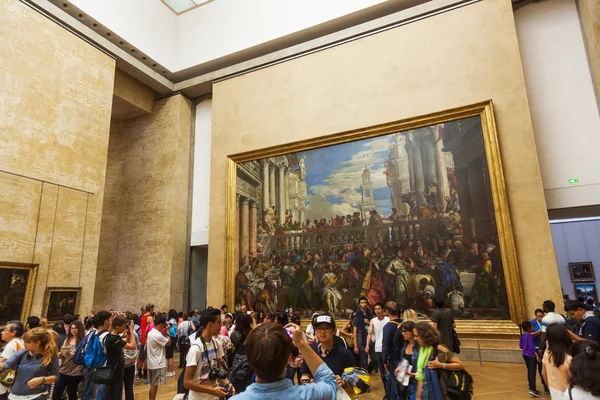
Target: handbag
pixel 8 377
pixel 103 375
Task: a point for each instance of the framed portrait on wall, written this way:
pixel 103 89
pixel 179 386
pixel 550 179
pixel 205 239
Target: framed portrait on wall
pixel 407 211
pixel 60 301
pixel 17 282
pixel 582 272
pixel 586 289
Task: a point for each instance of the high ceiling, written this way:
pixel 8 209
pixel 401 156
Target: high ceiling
pixel 181 6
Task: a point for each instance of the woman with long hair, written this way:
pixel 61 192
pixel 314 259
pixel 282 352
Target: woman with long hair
pixel 70 373
pixel 434 361
pixel 409 352
pixel 170 349
pixel 36 366
pixel 557 360
pixel 585 365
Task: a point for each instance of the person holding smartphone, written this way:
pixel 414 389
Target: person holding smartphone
pixel 115 344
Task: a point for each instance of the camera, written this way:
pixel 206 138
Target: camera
pixel 216 373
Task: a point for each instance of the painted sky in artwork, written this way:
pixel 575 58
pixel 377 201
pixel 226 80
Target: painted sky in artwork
pixel 333 177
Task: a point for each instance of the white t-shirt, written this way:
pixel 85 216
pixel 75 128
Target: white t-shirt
pixel 552 318
pixel 11 348
pixel 155 344
pixel 204 361
pixel 579 394
pixel 377 335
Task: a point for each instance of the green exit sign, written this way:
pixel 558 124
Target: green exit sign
pixel 573 180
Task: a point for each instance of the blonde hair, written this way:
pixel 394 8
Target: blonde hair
pixel 410 315
pixel 47 340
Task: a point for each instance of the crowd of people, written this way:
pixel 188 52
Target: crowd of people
pixel 252 355
pixel 564 350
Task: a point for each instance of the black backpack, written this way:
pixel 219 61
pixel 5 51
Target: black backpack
pixel 460 385
pixel 241 374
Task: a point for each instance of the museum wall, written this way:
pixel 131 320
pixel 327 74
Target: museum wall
pixel 460 57
pixel 575 241
pixel 54 129
pixel 201 190
pixel 562 101
pixel 143 238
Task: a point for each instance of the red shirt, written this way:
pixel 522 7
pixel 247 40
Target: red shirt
pixel 143 325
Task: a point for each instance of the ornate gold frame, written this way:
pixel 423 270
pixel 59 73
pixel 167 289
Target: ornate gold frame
pixel 28 300
pixel 505 232
pixel 50 290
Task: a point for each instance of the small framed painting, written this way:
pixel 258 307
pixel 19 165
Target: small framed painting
pixel 60 301
pixel 582 272
pixel 586 289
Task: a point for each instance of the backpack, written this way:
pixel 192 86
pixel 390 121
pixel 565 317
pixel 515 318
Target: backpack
pixel 184 339
pixel 173 331
pixel 460 385
pixel 241 374
pixel 79 356
pixel 95 355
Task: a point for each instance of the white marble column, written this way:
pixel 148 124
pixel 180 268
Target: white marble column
pixel 265 194
pixel 272 185
pixel 440 165
pixel 286 189
pixel 411 170
pixel 302 216
pixel 253 230
pixel 244 230
pixel 281 205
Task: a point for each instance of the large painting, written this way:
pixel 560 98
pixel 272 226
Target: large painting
pixel 16 290
pixel 407 215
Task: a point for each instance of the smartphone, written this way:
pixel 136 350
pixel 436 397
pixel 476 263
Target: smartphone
pixel 289 332
pixel 249 312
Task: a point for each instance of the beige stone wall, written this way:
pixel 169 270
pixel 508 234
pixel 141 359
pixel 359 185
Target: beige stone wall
pixel 55 104
pixel 144 223
pixel 589 12
pixel 460 57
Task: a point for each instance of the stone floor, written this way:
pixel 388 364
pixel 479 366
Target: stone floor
pixel 493 381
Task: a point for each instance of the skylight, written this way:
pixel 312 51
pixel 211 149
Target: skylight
pixel 181 6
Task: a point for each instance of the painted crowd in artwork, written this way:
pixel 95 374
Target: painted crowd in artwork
pixel 406 217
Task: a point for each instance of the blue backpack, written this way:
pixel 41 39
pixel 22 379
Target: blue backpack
pixel 94 352
pixel 79 356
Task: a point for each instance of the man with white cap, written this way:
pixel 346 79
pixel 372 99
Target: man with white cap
pixel 336 356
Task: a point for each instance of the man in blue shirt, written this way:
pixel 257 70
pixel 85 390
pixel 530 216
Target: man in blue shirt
pixel 268 349
pixel 590 324
pixel 359 326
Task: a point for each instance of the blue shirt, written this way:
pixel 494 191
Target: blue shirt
pixel 337 359
pixel 324 388
pixel 28 367
pixel 537 326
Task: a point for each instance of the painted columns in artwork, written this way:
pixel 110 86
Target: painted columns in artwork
pixel 245 229
pixel 414 148
pixel 265 188
pixel 440 164
pixel 286 189
pixel 281 204
pixel 272 185
pixel 253 230
pixel 238 215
